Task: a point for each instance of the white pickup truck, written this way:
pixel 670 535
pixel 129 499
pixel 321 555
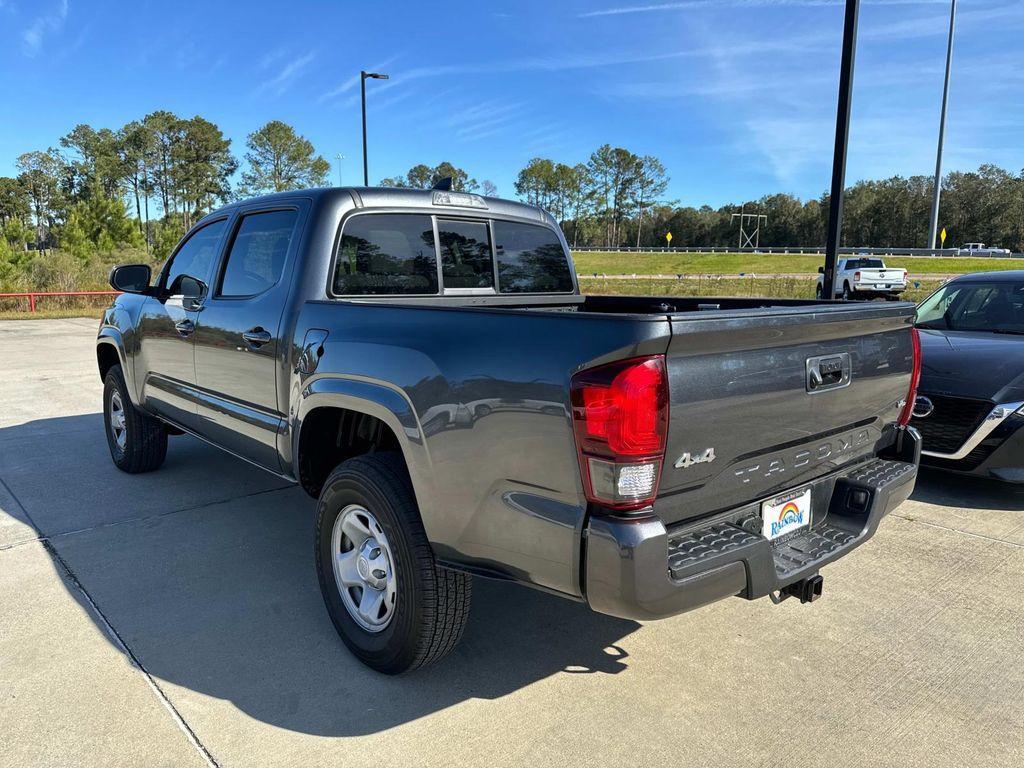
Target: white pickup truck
pixel 866 278
pixel 980 249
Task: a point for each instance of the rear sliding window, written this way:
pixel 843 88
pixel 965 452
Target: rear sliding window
pixel 530 259
pixel 466 260
pixel 386 254
pixel 395 254
pixel 865 264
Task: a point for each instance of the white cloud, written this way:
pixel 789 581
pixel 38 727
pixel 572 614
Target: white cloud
pixel 51 22
pixel 691 4
pixel 280 82
pixel 350 83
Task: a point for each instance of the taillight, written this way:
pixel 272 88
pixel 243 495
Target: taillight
pixel 620 416
pixel 915 378
pixel 856 277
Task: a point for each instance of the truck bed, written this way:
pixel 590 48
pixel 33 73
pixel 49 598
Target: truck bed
pixel 489 387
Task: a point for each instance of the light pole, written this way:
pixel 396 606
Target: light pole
pixel 339 157
pixel 835 207
pixel 362 87
pixel 933 231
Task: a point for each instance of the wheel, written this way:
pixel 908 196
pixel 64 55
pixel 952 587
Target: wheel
pixel 394 608
pixel 847 295
pixel 137 441
pixel 817 292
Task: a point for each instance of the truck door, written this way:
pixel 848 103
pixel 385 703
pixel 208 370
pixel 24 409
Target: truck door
pixel 239 352
pixel 164 360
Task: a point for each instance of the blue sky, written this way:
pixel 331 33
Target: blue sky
pixel 737 97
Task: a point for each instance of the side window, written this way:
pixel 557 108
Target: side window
pixel 466 260
pixel 386 253
pixel 257 255
pixel 195 257
pixel 530 259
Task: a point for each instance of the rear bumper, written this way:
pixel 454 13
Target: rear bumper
pixel 637 569
pixel 871 288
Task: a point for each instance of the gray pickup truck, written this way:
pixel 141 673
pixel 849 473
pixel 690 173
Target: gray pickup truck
pixel 423 364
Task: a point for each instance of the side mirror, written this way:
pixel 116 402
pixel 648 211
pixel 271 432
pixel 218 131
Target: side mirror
pixel 130 278
pixel 193 291
pixel 821 270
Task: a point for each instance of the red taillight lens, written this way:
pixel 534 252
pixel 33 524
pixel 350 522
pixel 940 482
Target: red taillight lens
pixel 915 378
pixel 620 415
pixel 856 277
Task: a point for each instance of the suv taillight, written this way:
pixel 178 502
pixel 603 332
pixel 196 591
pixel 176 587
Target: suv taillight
pixel 620 416
pixel 915 378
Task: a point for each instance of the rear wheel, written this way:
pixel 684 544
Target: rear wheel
pixel 393 607
pixel 817 292
pixel 847 294
pixel 137 441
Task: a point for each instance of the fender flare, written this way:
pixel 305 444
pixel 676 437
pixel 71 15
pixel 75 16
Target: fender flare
pixel 110 336
pixel 384 402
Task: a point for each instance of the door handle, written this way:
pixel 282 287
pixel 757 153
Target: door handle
pixel 185 327
pixel 256 337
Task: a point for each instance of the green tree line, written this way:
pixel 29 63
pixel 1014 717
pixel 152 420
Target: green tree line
pixel 137 188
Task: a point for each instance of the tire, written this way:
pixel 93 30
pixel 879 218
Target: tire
pixel 847 295
pixel 427 614
pixel 144 444
pixel 817 293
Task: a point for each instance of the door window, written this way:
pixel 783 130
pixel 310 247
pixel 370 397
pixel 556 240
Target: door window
pixel 256 258
pixel 195 256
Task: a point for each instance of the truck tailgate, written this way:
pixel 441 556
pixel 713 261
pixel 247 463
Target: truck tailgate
pixel 873 276
pixel 747 422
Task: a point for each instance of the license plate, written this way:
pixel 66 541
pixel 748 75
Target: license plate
pixel 787 513
pixel 880 285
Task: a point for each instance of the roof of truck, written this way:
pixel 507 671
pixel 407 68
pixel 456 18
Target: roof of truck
pixel 392 197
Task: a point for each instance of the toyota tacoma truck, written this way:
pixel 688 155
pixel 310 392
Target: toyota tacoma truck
pixel 423 364
pixel 865 278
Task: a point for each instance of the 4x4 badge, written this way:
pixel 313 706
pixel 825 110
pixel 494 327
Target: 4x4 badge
pixel 687 460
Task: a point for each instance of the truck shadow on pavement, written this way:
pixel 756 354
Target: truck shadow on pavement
pixel 204 570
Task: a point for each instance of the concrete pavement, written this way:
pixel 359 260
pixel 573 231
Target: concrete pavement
pixel 174 619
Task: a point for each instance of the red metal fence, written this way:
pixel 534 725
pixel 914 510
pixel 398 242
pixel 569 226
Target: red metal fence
pixel 33 295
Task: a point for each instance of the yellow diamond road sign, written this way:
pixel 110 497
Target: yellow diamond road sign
pixel 668 237
pixel 942 236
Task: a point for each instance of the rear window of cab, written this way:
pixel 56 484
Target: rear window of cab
pixel 398 254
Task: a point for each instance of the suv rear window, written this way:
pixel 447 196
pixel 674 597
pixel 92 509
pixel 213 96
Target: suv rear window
pixel 386 254
pixel 530 259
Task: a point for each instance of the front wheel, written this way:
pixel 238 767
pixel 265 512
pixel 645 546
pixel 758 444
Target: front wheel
pixel 393 607
pixel 137 441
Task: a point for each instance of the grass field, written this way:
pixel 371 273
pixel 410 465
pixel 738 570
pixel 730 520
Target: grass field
pixel 589 262
pixel 771 269
pixel 776 287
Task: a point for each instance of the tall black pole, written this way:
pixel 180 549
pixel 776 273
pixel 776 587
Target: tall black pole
pixel 835 207
pixel 362 87
pixel 933 228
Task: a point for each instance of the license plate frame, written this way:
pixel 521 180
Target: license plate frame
pixel 786 514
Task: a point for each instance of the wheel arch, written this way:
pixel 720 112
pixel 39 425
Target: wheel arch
pixel 340 418
pixel 110 352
